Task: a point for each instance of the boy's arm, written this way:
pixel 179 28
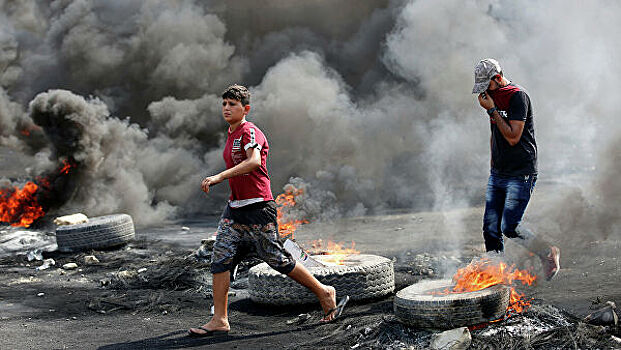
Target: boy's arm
pixel 251 163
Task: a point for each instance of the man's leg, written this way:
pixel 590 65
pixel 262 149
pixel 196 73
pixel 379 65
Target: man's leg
pixel 519 191
pixel 494 205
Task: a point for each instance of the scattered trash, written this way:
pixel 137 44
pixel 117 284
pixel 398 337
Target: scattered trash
pixel 203 253
pixel 27 242
pixel 40 294
pixel 454 339
pixel 301 318
pixel 70 266
pixel 174 274
pixel 72 219
pixel 91 260
pixel 605 316
pixel 185 228
pixel 164 312
pixel 46 264
pixel 212 310
pixel 36 254
pixel 300 255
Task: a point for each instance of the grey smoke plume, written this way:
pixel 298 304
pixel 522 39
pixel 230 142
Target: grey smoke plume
pixel 373 110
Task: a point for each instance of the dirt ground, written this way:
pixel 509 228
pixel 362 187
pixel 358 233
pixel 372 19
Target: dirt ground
pixel 166 291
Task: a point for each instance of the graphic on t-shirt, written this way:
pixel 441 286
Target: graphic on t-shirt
pixel 237 144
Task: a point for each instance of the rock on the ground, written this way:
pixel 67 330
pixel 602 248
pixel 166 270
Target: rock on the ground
pixel 72 219
pixel 91 260
pixel 70 266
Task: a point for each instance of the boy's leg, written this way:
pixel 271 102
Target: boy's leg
pixel 220 319
pixel 223 257
pixel 325 294
pixel 271 250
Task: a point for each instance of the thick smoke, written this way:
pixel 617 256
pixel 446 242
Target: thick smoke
pixel 373 110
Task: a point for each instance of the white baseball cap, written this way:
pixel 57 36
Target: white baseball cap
pixel 484 71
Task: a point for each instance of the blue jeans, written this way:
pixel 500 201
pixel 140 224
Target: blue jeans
pixel 506 199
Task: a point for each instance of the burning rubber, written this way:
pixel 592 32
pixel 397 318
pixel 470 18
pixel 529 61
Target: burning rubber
pixel 100 232
pixel 361 276
pixel 428 305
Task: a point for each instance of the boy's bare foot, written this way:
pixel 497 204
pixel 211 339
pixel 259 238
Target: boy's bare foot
pixel 211 326
pixel 328 302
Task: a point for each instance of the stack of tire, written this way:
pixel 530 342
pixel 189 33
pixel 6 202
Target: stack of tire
pixel 98 233
pixel 362 276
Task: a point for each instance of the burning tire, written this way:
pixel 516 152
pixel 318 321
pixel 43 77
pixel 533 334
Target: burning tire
pixel 417 306
pixel 100 232
pixel 361 277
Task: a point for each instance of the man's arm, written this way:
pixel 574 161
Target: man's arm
pixel 512 131
pixel 251 163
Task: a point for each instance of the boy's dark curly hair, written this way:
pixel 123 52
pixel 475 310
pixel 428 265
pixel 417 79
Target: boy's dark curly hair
pixel 237 92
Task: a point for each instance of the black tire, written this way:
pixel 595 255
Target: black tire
pixel 99 232
pixel 361 277
pixel 416 306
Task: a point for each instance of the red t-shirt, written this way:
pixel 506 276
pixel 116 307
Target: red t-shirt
pixel 253 187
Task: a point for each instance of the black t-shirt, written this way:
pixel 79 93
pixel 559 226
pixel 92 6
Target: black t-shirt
pixel 513 103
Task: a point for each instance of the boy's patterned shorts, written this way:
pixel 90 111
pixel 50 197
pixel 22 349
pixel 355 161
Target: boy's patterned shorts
pixel 235 241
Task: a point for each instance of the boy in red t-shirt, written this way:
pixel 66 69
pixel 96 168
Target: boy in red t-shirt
pixel 248 222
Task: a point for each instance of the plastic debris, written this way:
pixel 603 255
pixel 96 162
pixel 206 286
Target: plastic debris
pixel 203 253
pixel 46 264
pixel 301 318
pixel 454 339
pixel 35 254
pixel 605 316
pixel 300 255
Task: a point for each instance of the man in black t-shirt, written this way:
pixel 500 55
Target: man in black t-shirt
pixel 514 164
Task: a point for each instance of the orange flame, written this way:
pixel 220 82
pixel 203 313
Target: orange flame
pixel 286 228
pixel 485 273
pixel 65 168
pixel 19 207
pixel 336 252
